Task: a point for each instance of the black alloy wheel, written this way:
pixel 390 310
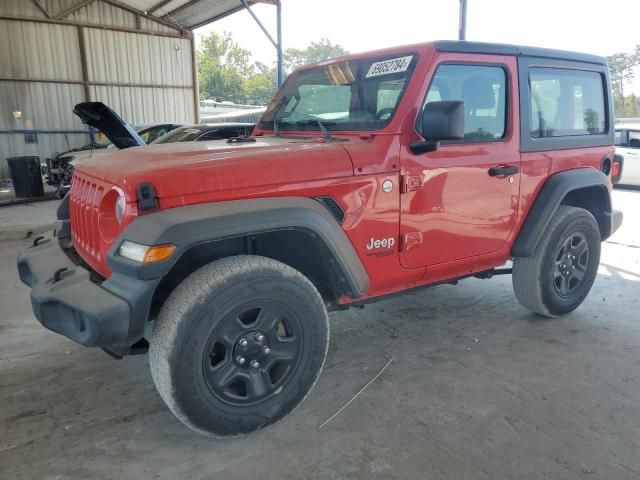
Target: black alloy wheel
pixel 571 264
pixel 251 352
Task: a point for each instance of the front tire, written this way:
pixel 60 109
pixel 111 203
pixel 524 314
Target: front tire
pixel 556 279
pixel 238 345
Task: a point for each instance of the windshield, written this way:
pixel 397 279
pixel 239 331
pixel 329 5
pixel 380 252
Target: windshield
pixel 186 134
pixel 356 95
pixel 102 140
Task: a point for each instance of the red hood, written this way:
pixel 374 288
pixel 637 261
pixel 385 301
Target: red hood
pixel 196 167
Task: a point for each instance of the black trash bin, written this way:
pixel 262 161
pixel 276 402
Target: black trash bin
pixel 26 176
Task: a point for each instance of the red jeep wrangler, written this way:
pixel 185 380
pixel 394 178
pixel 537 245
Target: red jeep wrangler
pixel 368 175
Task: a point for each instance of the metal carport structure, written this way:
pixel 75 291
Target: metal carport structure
pixel 192 14
pixel 138 56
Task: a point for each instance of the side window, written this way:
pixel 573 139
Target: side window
pixel 145 135
pixel 483 91
pixel 157 133
pixel 566 103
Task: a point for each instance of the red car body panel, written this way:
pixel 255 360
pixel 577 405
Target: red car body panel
pixel 453 221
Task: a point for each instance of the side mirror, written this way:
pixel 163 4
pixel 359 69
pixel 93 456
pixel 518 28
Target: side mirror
pixel 440 121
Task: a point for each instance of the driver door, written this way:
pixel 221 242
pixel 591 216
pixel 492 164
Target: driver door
pixel 461 201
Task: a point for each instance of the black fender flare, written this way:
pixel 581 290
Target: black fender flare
pixel 553 192
pixel 192 225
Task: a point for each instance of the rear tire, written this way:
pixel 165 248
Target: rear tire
pixel 558 276
pixel 238 345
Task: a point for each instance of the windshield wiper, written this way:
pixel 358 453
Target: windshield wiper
pixel 322 125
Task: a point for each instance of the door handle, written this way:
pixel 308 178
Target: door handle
pixel 505 170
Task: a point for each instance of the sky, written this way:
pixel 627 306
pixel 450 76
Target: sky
pixel 592 26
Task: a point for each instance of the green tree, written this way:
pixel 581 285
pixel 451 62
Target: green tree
pixel 621 69
pixel 225 69
pixel 223 66
pixel 261 85
pixel 316 52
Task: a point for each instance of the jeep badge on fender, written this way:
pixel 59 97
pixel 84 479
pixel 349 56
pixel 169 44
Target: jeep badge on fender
pixel 227 280
pixel 384 245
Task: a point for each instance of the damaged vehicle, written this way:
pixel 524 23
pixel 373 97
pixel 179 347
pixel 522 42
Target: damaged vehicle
pixel 204 132
pixel 58 168
pixel 150 135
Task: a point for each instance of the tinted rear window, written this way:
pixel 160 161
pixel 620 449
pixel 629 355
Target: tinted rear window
pixel 566 103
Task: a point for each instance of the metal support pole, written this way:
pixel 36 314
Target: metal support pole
pixel 257 20
pixel 279 40
pixel 462 32
pixel 276 43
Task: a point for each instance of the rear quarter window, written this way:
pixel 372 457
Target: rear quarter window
pixel 566 102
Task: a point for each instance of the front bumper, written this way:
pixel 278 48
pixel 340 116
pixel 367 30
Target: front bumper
pixel 65 300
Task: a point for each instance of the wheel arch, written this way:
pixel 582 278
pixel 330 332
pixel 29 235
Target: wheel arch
pixel 585 188
pixel 299 232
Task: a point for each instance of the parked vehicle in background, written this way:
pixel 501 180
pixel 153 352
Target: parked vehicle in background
pixel 59 167
pixel 189 133
pixel 627 142
pixel 368 175
pixel 200 133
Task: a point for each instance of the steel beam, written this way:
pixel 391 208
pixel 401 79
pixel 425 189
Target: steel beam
pixel 158 6
pixel 257 20
pixel 194 72
pixel 153 18
pixel 83 63
pixel 180 8
pixel 96 84
pixel 462 32
pixel 53 21
pixel 70 10
pixel 217 17
pixel 41 8
pixel 277 44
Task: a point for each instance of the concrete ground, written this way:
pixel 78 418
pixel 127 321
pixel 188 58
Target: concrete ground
pixel 27 219
pixel 479 389
pixel 8 196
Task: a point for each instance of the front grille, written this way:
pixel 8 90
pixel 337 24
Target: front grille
pixel 84 204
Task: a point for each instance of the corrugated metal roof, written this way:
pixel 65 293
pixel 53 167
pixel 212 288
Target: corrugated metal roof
pixel 160 15
pixel 191 14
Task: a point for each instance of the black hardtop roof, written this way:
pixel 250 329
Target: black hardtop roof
pixel 458 46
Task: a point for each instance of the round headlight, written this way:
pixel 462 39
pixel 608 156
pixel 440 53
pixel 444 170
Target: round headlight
pixel 111 214
pixel 120 204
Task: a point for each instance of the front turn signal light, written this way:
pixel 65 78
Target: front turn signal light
pixel 144 253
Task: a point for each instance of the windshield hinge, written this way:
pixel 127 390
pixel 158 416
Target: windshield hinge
pixel 147 200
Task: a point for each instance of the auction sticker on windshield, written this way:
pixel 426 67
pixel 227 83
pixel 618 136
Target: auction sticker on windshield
pixel 387 67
